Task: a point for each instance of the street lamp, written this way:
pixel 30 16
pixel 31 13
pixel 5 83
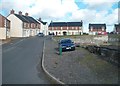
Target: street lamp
pixel 52 26
pixel 67 27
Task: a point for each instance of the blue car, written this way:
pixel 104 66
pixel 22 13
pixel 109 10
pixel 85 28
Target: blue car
pixel 66 44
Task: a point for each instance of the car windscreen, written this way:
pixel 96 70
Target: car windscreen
pixel 65 41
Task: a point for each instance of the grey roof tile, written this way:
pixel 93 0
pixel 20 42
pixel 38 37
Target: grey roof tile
pixel 97 26
pixel 27 19
pixel 61 24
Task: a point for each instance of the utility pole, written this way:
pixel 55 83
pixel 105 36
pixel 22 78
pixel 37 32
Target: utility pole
pixel 61 1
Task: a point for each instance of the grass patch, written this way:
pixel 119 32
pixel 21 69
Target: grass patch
pixel 104 70
pixel 114 35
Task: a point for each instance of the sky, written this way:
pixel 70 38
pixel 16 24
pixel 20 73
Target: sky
pixel 89 11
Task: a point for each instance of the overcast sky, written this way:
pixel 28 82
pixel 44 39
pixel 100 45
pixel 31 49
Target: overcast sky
pixel 90 11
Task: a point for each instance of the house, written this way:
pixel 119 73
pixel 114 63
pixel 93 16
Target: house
pixel 4 27
pixel 117 28
pixel 65 28
pixel 97 29
pixel 23 25
pixel 44 27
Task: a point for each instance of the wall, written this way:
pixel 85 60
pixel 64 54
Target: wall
pixel 98 40
pixel 2 21
pixel 44 29
pixel 0 63
pixel 16 26
pixel 2 33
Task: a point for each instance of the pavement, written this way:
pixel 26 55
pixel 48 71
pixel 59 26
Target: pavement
pixel 21 62
pixel 77 67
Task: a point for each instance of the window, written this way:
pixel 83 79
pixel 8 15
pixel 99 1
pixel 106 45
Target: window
pixel 31 25
pixel 25 25
pixel 91 29
pixel 76 28
pixel 34 25
pixel 79 28
pixel 72 28
pixel 61 28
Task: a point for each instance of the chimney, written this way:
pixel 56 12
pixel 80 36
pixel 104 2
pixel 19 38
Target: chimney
pixel 20 13
pixel 26 14
pixel 39 19
pixel 12 11
pixel 81 21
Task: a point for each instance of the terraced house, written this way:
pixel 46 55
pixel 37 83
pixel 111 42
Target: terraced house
pixel 66 28
pixel 23 25
pixel 97 29
pixel 4 27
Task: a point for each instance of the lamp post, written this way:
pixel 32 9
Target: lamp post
pixel 67 27
pixel 52 27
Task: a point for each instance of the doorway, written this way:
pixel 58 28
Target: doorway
pixel 64 33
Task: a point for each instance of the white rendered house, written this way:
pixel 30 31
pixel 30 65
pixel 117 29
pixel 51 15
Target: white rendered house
pixel 44 27
pixel 23 25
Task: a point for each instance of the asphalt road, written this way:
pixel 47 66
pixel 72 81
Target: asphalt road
pixel 21 62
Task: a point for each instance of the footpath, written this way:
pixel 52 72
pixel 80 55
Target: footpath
pixel 79 66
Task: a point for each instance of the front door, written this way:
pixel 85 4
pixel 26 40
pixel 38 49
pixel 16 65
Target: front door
pixel 64 33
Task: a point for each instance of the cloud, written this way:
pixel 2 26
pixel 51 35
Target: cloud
pixel 99 5
pixel 54 9
pixel 92 16
pixel 17 5
pixel 95 11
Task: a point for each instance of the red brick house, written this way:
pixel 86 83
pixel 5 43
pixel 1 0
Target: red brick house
pixel 4 27
pixel 117 28
pixel 97 29
pixel 65 28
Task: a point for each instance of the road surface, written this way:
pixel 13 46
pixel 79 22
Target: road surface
pixel 21 62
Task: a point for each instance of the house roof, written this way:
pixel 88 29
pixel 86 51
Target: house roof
pixel 44 23
pixel 27 19
pixel 117 25
pixel 4 17
pixel 97 26
pixel 61 24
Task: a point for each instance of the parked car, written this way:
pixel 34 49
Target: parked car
pixel 40 34
pixel 51 34
pixel 66 44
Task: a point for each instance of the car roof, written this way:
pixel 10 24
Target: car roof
pixel 65 39
pixel 40 33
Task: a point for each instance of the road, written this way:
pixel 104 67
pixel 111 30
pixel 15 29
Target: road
pixel 21 62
